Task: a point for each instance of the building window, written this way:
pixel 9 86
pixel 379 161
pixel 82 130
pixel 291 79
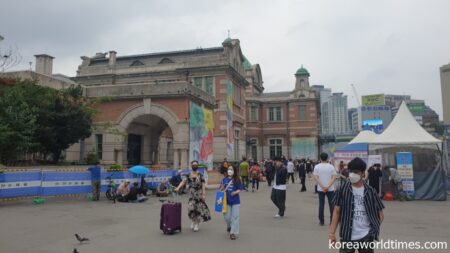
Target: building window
pixel 302 111
pixel 253 150
pixel 99 145
pixel 209 85
pixel 198 82
pixel 275 147
pixel 236 145
pixel 253 113
pixel 206 83
pixel 275 114
pixel 237 94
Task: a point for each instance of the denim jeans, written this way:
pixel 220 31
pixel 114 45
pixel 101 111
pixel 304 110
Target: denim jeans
pixel 255 182
pixel 232 218
pixel 322 195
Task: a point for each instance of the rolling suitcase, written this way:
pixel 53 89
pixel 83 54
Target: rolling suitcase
pixel 170 217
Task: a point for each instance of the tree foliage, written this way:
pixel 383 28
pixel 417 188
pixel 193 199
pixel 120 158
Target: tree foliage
pixel 39 119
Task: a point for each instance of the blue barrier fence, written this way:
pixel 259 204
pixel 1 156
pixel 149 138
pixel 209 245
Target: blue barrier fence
pixel 50 183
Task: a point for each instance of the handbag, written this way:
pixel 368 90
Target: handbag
pixel 221 200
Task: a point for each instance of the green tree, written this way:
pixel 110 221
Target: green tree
pixel 34 118
pixel 17 123
pixel 67 120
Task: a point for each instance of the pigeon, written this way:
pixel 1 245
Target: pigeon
pixel 81 239
pixel 162 200
pixel 75 250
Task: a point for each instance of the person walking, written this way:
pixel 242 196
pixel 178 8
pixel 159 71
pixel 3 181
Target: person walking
pixel 224 167
pixel 95 180
pixel 358 210
pixel 232 185
pixel 197 208
pixel 325 175
pixel 269 171
pixel 278 195
pixel 302 174
pixel 290 170
pixel 243 172
pixel 374 175
pixel 255 174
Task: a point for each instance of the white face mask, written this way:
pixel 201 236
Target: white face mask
pixel 354 178
pixel 230 173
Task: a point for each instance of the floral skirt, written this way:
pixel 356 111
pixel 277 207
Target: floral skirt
pixel 198 210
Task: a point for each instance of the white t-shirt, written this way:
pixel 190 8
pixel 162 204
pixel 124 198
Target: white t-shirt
pixel 290 167
pixel 325 171
pixel 361 224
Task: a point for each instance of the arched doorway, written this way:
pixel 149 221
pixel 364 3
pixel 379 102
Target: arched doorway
pixel 154 134
pixel 145 144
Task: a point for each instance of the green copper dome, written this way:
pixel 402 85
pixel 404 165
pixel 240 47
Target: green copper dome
pixel 302 72
pixel 246 64
pixel 227 41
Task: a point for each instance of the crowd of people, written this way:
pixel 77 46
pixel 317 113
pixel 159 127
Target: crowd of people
pixel 353 193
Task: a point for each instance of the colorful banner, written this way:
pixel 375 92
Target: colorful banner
pixel 230 129
pixel 304 147
pixel 373 100
pixel 201 126
pixel 405 170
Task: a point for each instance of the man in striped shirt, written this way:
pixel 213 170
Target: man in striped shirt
pixel 358 210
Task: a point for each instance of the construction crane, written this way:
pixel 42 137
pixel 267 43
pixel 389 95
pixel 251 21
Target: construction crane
pixel 356 95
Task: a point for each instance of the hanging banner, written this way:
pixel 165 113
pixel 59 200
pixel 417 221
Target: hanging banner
pixel 201 126
pixel 230 133
pixel 374 159
pixel 304 147
pixel 405 171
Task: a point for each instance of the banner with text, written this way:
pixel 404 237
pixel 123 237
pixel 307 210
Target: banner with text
pixel 405 170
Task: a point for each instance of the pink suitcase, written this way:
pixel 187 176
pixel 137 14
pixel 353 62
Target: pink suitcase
pixel 170 217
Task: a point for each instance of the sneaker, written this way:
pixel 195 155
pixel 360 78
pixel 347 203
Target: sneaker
pixel 276 216
pixel 321 224
pixel 195 227
pixel 192 225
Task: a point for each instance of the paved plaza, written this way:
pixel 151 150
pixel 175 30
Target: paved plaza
pixel 130 227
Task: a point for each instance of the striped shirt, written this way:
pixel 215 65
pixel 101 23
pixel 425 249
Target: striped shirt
pixel 344 199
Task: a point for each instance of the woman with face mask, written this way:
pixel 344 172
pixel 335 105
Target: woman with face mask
pixel 197 208
pixel 232 185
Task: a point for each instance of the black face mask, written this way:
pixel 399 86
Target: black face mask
pixel 194 168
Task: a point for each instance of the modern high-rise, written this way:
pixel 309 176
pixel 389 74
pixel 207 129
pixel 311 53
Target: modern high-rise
pixel 445 88
pixel 334 113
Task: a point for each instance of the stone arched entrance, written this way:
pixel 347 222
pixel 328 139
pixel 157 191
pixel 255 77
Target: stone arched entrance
pixel 152 132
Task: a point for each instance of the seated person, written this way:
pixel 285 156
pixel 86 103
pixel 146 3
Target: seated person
pixel 136 194
pixel 162 190
pixel 123 190
pixel 143 187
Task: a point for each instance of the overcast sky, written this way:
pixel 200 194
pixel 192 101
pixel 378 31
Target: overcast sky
pixel 384 46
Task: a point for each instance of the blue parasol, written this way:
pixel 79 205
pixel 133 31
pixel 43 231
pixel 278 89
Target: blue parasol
pixel 139 169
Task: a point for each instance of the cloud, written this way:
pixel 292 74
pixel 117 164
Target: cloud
pixel 380 46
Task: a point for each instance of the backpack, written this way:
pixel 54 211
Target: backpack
pixel 255 174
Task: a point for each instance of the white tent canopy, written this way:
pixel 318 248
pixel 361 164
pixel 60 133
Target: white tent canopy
pixel 404 129
pixel 365 136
